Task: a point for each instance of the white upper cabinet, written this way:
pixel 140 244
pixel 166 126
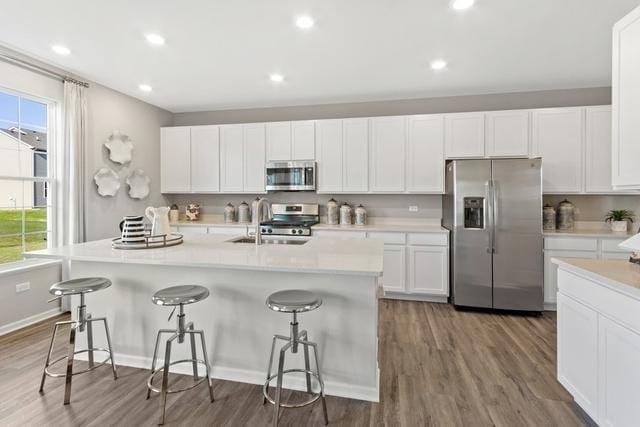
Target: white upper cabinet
pixel 205 159
pixel 626 102
pixel 329 156
pixel 231 159
pixel 464 135
pixel 278 141
pixel 355 163
pixel 387 153
pixel 558 139
pixel 303 141
pixel 507 134
pixel 175 152
pixel 598 150
pixel 254 158
pixel 425 154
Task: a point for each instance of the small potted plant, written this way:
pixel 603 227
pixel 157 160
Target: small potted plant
pixel 619 219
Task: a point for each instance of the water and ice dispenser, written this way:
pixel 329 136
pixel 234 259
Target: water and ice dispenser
pixel 474 212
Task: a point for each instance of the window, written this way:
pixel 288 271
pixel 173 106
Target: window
pixel 26 182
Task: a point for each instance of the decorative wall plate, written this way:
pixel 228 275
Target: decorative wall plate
pixel 108 182
pixel 120 147
pixel 138 184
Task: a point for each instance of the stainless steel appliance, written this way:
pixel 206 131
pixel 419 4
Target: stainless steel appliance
pixel 291 176
pixel 291 219
pixel 494 211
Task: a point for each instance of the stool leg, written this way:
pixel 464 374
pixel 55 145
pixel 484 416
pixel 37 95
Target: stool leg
pixel 324 403
pixel 307 365
pixel 276 407
pixel 69 375
pixel 165 378
pixel 194 360
pixel 46 364
pixel 108 335
pixel 153 361
pixel 90 340
pixel 206 364
pixel 273 349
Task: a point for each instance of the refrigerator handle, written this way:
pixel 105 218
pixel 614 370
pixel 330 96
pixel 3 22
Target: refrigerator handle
pixel 488 220
pixel 494 213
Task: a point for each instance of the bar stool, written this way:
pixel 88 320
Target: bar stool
pixel 84 321
pixel 177 297
pixel 294 301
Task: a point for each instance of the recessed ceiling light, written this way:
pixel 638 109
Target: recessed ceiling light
pixel 145 87
pixel 438 64
pixel 156 39
pixel 276 78
pixel 60 49
pixel 462 4
pixel 304 22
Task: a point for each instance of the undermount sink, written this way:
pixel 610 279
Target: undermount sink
pixel 269 241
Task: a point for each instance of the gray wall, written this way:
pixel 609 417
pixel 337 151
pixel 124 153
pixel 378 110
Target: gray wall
pixel 505 101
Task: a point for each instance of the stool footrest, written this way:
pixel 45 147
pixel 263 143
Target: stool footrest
pixel 153 388
pixel 91 368
pixel 314 396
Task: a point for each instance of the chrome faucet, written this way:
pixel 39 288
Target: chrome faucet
pixel 262 203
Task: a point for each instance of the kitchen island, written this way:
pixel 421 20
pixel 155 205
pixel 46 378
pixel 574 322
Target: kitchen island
pixel 344 272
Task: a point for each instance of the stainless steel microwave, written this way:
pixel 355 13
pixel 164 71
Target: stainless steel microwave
pixel 291 176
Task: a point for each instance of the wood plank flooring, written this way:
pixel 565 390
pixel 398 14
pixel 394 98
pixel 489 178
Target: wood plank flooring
pixel 439 366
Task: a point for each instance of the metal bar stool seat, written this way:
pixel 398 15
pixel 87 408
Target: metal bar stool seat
pixel 178 297
pixel 294 301
pixel 84 321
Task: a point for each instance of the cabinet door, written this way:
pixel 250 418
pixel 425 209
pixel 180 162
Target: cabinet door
pixel 175 153
pixel 425 154
pixel 329 156
pixel 355 155
pixel 231 159
pixel 278 141
pixel 578 352
pixel 429 270
pixel 507 134
pixel 303 140
pixel 626 101
pixel 551 270
pixel 388 141
pixel 205 159
pixel 557 138
pixel 598 150
pixel 254 147
pixel 394 268
pixel 464 135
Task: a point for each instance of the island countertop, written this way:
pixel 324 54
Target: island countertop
pixel 328 255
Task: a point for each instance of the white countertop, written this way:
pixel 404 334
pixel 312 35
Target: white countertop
pixel 327 255
pixel 620 275
pixel 590 229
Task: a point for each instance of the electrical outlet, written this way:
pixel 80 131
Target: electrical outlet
pixel 413 208
pixel 23 287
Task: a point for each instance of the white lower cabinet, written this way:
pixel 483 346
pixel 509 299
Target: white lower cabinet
pixel 393 279
pixel 429 270
pixel 551 271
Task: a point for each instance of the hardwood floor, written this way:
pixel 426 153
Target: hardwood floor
pixel 438 366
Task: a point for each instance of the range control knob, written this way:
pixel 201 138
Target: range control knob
pixel 299 231
pixel 270 231
pixel 264 230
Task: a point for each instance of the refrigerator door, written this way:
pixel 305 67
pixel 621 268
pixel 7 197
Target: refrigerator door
pixel 518 243
pixel 471 249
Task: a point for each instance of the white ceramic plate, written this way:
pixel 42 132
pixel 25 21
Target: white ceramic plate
pixel 120 147
pixel 138 184
pixel 108 182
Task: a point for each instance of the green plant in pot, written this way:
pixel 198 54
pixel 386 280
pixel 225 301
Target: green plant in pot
pixel 619 219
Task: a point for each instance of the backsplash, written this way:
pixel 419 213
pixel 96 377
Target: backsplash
pixel 594 208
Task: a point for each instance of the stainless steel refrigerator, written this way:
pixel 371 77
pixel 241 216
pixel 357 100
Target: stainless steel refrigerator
pixel 493 209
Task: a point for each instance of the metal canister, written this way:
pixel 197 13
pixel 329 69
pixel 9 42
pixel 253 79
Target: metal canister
pixel 361 215
pixel 332 212
pixel 255 216
pixel 346 214
pixel 548 218
pixel 229 213
pixel 244 213
pixel 565 218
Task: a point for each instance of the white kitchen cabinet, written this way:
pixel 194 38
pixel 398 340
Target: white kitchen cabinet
pixel 598 150
pixel 578 352
pixel 551 271
pixel 394 266
pixel 329 156
pixel 429 270
pixel 355 155
pixel 464 135
pixel 558 139
pixel 290 140
pixel 626 102
pixel 425 154
pixel 231 159
pixel 507 133
pixel 253 158
pixel 387 154
pixel 278 141
pixel 175 153
pixel 303 140
pixel 205 159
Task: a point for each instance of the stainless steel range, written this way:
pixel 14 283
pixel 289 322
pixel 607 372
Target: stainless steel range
pixel 291 219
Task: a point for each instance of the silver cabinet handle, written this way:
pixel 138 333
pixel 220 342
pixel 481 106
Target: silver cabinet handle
pixel 488 216
pixel 496 217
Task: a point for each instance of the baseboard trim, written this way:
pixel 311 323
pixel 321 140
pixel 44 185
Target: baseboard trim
pixel 550 306
pixel 415 297
pixel 331 388
pixel 14 326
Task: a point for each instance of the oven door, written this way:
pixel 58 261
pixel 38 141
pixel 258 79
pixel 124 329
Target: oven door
pixel 291 176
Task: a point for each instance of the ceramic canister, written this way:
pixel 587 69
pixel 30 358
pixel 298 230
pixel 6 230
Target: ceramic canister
pixel 361 215
pixel 229 213
pixel 548 218
pixel 565 217
pixel 193 212
pixel 174 213
pixel 132 229
pixel 332 212
pixel 346 214
pixel 244 214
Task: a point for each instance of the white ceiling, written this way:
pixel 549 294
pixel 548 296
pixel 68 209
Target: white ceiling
pixel 219 53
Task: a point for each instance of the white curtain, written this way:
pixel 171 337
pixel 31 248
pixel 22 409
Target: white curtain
pixel 72 165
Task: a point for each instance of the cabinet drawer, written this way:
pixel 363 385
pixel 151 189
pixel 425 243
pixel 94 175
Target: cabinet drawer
pixel 611 245
pixel 571 243
pixel 429 239
pixel 388 238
